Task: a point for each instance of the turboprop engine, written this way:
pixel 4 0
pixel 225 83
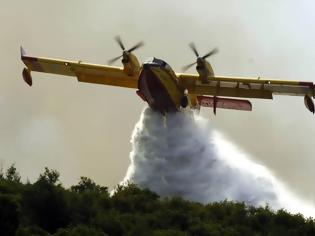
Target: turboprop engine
pixel 129 60
pixel 203 67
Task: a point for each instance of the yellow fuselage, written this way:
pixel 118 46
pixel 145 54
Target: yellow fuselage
pixel 159 86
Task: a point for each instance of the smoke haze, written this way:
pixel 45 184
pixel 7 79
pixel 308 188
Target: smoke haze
pixel 84 129
pixel 180 155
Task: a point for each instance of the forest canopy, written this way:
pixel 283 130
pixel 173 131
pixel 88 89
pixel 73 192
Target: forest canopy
pixel 45 207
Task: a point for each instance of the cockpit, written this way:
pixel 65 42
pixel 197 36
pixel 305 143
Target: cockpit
pixel 155 62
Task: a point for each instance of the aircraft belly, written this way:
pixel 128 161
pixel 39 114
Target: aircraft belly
pixel 155 93
pixel 169 84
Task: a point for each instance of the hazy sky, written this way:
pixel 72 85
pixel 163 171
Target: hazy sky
pixel 84 129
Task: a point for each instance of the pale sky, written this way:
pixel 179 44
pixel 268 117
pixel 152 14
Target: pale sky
pixel 84 129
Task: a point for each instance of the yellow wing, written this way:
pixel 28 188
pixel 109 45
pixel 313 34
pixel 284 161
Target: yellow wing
pixel 245 87
pixel 90 73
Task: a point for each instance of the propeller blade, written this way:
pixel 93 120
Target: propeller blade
pixel 111 61
pixel 118 40
pixel 138 45
pixel 212 52
pixel 188 66
pixel 125 52
pixel 193 47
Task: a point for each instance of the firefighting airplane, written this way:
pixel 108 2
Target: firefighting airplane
pixel 167 91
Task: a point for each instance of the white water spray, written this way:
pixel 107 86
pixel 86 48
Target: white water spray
pixel 181 156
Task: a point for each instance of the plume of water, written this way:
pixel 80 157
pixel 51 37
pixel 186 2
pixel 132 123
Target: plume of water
pixel 180 155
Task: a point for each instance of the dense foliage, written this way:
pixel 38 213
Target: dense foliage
pixel 47 208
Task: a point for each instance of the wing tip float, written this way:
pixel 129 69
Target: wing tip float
pixel 309 103
pixel 26 73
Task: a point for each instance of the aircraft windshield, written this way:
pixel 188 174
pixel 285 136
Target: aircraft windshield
pixel 160 63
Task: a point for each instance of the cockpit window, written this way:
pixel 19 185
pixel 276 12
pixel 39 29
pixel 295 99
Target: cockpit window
pixel 167 67
pixel 153 61
pixel 170 70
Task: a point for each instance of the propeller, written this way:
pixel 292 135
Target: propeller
pixel 125 53
pixel 199 58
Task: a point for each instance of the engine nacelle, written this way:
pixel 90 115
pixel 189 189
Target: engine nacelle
pixel 131 64
pixel 204 70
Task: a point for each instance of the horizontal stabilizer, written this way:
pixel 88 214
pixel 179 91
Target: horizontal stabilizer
pixel 226 103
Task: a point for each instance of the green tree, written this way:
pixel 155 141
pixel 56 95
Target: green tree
pixel 49 176
pixel 86 184
pixel 169 232
pixel 46 208
pixel 81 230
pixel 12 174
pixel 9 214
pixel 1 171
pixel 31 231
pixel 44 203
